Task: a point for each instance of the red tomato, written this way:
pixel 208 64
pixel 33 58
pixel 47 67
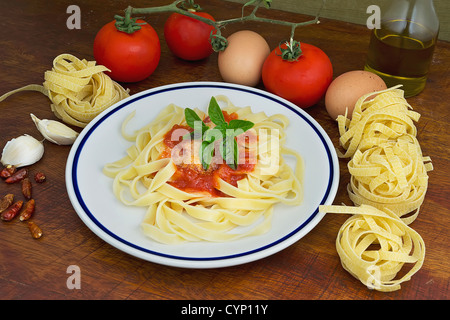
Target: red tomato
pixel 130 57
pixel 187 37
pixel 304 81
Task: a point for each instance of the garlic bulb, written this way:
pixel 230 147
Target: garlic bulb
pixel 22 151
pixel 55 131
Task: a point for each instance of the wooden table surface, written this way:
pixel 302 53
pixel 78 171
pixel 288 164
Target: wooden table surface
pixel 34 32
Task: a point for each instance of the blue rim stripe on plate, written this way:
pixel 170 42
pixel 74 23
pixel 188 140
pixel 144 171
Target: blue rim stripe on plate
pixel 188 86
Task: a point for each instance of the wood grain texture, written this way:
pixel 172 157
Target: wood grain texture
pixel 34 32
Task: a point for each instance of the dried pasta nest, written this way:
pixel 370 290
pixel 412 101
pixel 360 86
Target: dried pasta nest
pixel 386 163
pixel 389 180
pixel 387 117
pixel 78 89
pixel 392 175
pixel 374 245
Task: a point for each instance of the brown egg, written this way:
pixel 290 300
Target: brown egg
pixel 241 62
pixel 347 88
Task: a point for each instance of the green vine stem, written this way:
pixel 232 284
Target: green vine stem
pixel 219 42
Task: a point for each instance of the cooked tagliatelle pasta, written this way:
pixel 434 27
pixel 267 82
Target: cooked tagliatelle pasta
pixel 78 89
pixel 374 245
pixel 184 202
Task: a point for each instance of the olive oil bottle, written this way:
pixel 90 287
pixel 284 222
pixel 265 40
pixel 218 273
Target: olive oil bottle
pixel 401 51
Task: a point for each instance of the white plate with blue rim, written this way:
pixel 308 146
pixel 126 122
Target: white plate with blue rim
pixel 101 142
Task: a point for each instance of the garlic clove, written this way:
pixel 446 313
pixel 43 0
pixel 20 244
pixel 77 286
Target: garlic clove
pixel 22 151
pixel 55 131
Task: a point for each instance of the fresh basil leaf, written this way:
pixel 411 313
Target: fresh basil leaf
pixel 215 113
pixel 240 124
pixel 212 134
pixel 206 154
pixel 191 117
pixel 229 152
pixel 220 131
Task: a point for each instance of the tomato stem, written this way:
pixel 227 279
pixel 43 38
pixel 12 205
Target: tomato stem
pixel 126 23
pixel 190 5
pixel 292 51
pixel 219 42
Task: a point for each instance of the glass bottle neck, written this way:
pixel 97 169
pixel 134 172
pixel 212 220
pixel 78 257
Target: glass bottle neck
pixel 421 12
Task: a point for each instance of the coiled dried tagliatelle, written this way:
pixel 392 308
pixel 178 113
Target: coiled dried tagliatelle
pixel 391 175
pixel 387 167
pixel 375 244
pixel 383 118
pixel 78 89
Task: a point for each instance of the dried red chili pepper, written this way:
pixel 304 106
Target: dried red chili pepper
pixel 28 210
pixel 26 188
pixel 17 176
pixel 6 202
pixel 36 232
pixel 7 172
pixel 39 177
pixel 12 211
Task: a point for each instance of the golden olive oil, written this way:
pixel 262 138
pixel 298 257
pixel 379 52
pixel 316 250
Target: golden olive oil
pixel 399 58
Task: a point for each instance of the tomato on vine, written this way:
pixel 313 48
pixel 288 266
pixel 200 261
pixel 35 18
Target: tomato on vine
pixel 130 48
pixel 187 37
pixel 300 73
